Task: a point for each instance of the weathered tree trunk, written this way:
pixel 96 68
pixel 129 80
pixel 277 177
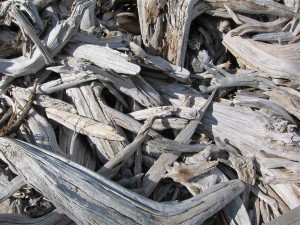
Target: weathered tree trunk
pixel 165 27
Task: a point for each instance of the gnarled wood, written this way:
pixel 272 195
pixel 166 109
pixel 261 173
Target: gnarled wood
pixel 277 61
pixel 165 26
pixel 103 201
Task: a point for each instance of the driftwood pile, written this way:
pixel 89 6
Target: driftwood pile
pixel 149 111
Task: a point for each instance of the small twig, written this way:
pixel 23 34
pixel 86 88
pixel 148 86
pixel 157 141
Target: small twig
pixel 17 118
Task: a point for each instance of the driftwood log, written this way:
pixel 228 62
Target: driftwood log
pixel 107 202
pixel 149 112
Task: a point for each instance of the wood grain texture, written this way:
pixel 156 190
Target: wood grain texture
pixel 103 201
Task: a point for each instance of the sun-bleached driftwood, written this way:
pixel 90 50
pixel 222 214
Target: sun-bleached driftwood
pixel 27 7
pixel 83 125
pixel 277 61
pixel 113 42
pixel 128 151
pixel 164 145
pixel 89 107
pixel 40 4
pixel 159 28
pixel 51 219
pixel 104 57
pixel 258 27
pixel 173 57
pixel 127 122
pixel 12 187
pixel 292 217
pixel 42 132
pixel 287 98
pixel 76 147
pixel 43 100
pixel 251 80
pixel 18 116
pixel 293 178
pixel 154 174
pixel 182 173
pixel 244 166
pixel 252 101
pixel 279 37
pixel 254 7
pixel 224 117
pixel 136 87
pixel 88 18
pixel 61 84
pixel 54 41
pixel 22 21
pixel 181 112
pixel 169 123
pixel 121 205
pixel 174 71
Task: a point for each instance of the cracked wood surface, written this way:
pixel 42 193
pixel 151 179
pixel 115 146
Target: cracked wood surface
pixel 110 203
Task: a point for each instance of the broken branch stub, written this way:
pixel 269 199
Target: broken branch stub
pixel 165 27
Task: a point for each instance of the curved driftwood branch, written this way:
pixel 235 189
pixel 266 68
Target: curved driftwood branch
pixel 277 61
pixel 103 201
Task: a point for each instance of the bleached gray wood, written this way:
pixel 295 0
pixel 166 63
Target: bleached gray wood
pixel 277 61
pixel 114 42
pixel 226 122
pixel 24 24
pixel 149 96
pixel 251 80
pixel 102 200
pixel 104 57
pixel 61 84
pixel 292 178
pixel 136 87
pixel 177 72
pixel 181 111
pixel 88 18
pixel 27 7
pixel 154 174
pixel 272 163
pixel 84 125
pixel 12 187
pixel 287 98
pixel 254 7
pixel 54 41
pixel 165 26
pixel 52 218
pixel 87 105
pixel 164 145
pixel 290 218
pixel 80 152
pixel 129 150
pixel 42 132
pixel 169 123
pixel 115 93
pixel 274 37
pixel 263 103
pixel 40 4
pixel 76 148
pixel 257 27
pixel 127 122
pixel 43 100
